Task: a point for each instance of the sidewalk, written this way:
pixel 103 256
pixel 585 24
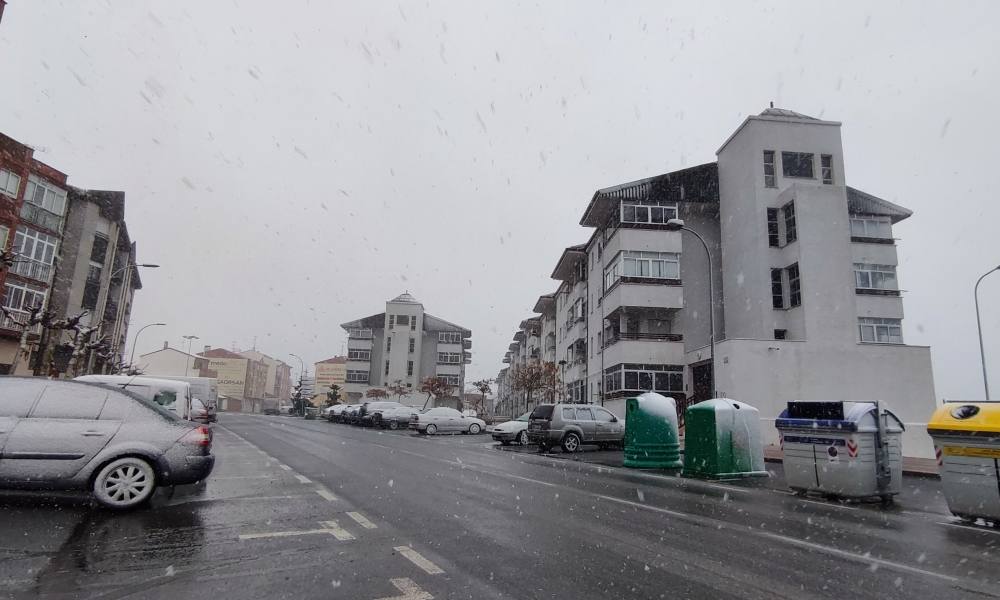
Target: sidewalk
pixel 911 465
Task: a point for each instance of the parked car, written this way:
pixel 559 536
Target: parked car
pixel 350 414
pixel 433 420
pixel 170 394
pixel 330 413
pixel 370 413
pixel 396 418
pixel 120 446
pixel 515 430
pixel 311 412
pixel 286 409
pixel 570 425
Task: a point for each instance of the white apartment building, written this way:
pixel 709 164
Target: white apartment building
pixel 407 345
pixel 807 303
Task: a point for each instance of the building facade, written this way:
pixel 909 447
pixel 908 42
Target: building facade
pixel 806 300
pixel 404 345
pixel 241 380
pixel 170 362
pixel 278 382
pixel 332 371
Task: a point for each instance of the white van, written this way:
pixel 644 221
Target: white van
pixel 205 389
pixel 168 393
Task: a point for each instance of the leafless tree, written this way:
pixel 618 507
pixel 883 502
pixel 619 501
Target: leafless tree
pixel 435 387
pixel 534 377
pixel 376 394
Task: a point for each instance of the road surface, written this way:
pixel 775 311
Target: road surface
pixel 310 509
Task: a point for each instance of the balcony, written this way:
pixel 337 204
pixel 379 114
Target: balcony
pixel 41 217
pixel 644 293
pixel 359 334
pixel 9 322
pixel 654 349
pixel 32 269
pixel 467 344
pixel 627 336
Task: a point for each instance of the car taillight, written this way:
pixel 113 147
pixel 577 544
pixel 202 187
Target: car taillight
pixel 199 436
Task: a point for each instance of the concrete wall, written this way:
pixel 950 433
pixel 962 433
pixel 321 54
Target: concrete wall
pixel 168 361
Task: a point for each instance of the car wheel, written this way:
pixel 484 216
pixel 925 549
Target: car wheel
pixel 571 442
pixel 124 483
pixel 522 438
pixel 474 428
pixel 394 425
pixel 431 429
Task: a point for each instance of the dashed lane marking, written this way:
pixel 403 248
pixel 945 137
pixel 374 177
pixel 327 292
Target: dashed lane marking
pixel 284 466
pixel 971 528
pixel 360 519
pixel 303 479
pixel 338 532
pixel 326 494
pixel 410 590
pixel 418 559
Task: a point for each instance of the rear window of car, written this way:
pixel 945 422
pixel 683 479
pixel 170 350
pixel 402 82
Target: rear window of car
pixel 568 414
pixel 543 411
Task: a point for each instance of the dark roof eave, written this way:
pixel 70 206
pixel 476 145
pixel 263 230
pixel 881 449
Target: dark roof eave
pixel 568 260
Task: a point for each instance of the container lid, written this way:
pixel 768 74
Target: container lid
pixel 968 418
pixel 842 416
pixel 719 404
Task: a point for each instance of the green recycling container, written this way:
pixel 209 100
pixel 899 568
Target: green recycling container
pixel 651 438
pixel 722 440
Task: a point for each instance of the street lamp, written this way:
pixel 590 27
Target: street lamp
pixel 979 326
pixel 678 225
pixel 135 341
pixel 187 359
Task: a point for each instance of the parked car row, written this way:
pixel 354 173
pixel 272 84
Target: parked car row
pixel 393 415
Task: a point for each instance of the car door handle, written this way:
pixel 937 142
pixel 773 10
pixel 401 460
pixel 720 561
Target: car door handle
pixel 92 433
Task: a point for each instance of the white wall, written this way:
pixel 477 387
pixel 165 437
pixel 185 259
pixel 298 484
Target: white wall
pixel 167 362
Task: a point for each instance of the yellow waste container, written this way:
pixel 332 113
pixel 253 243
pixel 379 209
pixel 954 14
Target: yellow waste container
pixel 967 442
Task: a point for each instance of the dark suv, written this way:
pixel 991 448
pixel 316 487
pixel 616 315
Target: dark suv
pixel 570 425
pixel 370 412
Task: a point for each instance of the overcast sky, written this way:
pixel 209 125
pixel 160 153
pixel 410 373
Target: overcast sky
pixel 293 165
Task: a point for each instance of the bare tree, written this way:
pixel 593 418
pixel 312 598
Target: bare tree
pixel 398 389
pixel 435 387
pixel 483 386
pixel 532 378
pixel 376 393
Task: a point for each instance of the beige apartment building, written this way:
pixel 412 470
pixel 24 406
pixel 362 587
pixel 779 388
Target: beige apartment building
pixel 332 371
pixel 241 381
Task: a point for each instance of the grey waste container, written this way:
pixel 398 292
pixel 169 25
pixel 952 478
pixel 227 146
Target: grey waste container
pixel 967 440
pixel 840 449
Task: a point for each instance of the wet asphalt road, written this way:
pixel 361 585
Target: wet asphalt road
pixel 309 509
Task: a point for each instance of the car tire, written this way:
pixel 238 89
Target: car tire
pixel 431 429
pixel 522 438
pixel 124 483
pixel 394 425
pixel 474 429
pixel 570 442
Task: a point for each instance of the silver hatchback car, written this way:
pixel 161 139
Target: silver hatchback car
pixel 57 434
pixel 570 425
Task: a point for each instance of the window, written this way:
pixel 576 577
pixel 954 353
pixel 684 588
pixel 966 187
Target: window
pixel 450 379
pixel 357 377
pixel 797 164
pixel 9 183
pixel 35 245
pixel 413 324
pixel 402 319
pixel 20 296
pixel 45 195
pixel 409 368
pixel 388 344
pixel 358 333
pixel 871 227
pixel 449 358
pixel 643 378
pixel 91 291
pixel 826 168
pixel 791 233
pixel 392 321
pixel 777 289
pixel 645 214
pixel 99 249
pixel 875 277
pixel 359 355
pixel 602 415
pixel 386 367
pixel 584 414
pixel 450 337
pixel 650 265
pixel 769 175
pixel 64 402
pixel 568 414
pixel 413 345
pixel 794 285
pixel 880 331
pixel 3 237
pixel 780 334
pixel 773 239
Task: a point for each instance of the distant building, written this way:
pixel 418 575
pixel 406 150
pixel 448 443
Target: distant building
pixel 278 384
pixel 332 371
pixel 241 380
pixel 407 345
pixel 170 362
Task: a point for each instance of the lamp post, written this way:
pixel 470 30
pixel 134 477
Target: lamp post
pixel 979 327
pixel 678 225
pixel 187 359
pixel 135 341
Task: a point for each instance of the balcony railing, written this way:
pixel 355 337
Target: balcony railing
pixel 41 217
pixel 649 337
pixel 359 334
pixel 9 322
pixel 34 269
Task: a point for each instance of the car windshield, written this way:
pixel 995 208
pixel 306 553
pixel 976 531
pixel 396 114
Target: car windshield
pixel 559 299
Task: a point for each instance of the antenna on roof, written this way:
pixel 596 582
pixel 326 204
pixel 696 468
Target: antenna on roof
pixel 772 103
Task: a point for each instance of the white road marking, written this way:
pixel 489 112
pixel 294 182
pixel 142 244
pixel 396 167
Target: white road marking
pixel 862 558
pixel 244 477
pixel 410 590
pixel 338 532
pixel 360 519
pixel 417 559
pixel 829 504
pixel 303 479
pixel 329 528
pixel 972 528
pixel 326 494
pixel 285 467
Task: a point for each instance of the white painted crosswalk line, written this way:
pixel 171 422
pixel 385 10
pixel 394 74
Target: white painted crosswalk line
pixel 410 590
pixel 285 467
pixel 303 479
pixel 417 559
pixel 360 519
pixel 326 494
pixel 338 532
